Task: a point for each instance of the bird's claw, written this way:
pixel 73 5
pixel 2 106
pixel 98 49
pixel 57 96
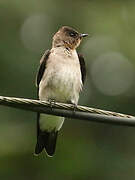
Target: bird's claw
pixel 52 102
pixel 74 107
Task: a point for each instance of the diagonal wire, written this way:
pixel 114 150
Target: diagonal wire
pixel 67 110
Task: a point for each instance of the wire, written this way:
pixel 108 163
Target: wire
pixel 69 110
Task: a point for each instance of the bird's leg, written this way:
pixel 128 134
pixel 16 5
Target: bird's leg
pixel 52 102
pixel 74 105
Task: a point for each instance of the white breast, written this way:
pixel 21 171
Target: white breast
pixel 62 78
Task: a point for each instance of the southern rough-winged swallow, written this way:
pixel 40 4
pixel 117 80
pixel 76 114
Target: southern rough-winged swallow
pixel 60 78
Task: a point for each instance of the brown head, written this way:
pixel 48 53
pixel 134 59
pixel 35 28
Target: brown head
pixel 68 38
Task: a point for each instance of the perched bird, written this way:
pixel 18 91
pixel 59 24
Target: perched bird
pixel 60 78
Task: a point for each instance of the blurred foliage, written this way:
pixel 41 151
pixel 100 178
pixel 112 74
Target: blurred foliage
pixel 84 150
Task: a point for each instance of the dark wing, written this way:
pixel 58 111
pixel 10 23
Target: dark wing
pixel 38 79
pixel 82 67
pixel 42 67
pixel 45 139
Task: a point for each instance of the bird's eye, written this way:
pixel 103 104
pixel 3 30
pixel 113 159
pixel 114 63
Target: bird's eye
pixel 73 34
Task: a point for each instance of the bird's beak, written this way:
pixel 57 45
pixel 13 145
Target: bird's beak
pixel 83 35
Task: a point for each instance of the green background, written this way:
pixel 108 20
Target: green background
pixel 84 150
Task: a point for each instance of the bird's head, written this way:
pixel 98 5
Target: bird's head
pixel 67 37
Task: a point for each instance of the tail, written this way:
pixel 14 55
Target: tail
pixel 48 141
pixel 45 140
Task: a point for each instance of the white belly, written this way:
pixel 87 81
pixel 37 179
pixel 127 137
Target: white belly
pixel 62 86
pixel 50 123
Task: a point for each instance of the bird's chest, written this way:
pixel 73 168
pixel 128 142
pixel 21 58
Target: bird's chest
pixel 63 78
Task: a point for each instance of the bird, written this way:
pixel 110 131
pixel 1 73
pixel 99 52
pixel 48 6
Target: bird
pixel 60 78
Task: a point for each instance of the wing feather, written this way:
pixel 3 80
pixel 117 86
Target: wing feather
pixel 42 67
pixel 82 67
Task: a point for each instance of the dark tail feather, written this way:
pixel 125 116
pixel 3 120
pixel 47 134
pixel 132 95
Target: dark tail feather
pixel 46 140
pixel 50 145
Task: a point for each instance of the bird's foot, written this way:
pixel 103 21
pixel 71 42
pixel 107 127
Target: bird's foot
pixel 73 104
pixel 74 107
pixel 52 102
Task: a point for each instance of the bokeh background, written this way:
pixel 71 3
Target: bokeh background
pixel 85 150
